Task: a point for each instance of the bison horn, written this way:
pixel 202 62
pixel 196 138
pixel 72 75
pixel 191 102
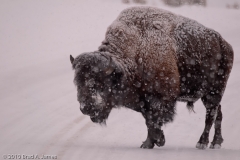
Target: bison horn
pixel 71 59
pixel 110 67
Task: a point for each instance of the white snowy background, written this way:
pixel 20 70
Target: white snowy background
pixel 39 112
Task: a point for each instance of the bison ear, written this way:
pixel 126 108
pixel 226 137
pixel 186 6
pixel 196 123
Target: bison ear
pixel 71 59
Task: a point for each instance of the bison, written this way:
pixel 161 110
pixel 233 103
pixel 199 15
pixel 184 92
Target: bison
pixel 149 60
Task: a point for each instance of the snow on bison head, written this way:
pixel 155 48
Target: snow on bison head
pixel 96 75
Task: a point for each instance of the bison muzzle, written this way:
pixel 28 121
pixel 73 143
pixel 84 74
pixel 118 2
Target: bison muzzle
pixel 149 60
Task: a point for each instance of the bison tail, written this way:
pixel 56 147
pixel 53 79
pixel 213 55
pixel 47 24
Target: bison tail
pixel 190 107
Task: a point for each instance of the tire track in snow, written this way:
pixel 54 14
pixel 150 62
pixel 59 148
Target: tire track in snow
pixel 61 134
pixel 33 105
pixel 70 141
pixel 25 118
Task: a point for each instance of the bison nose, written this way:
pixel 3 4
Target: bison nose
pixel 94 120
pixel 83 110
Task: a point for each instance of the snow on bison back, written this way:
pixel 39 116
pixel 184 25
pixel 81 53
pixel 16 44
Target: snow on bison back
pixel 149 60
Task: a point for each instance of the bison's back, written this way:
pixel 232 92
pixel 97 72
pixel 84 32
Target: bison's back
pixel 162 44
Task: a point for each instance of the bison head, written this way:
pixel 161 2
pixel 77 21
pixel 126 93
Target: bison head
pixel 96 75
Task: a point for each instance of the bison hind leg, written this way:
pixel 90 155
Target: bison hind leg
pixel 211 102
pixel 217 139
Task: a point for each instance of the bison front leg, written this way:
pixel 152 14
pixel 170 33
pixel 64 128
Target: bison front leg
pixel 156 114
pixel 155 136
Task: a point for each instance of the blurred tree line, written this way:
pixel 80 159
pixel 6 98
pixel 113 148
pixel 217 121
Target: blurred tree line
pixel 174 3
pixel 135 1
pixel 177 3
pixel 233 6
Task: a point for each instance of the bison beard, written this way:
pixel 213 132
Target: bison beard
pixel 149 60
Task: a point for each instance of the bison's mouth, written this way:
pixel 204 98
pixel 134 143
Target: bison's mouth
pixel 98 120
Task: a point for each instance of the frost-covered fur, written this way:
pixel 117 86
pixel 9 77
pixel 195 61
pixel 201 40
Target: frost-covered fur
pixel 150 59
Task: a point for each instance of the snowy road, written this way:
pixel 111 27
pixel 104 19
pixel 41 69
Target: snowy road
pixel 39 109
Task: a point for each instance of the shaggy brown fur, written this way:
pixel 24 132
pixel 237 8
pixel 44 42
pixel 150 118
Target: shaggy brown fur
pixel 150 59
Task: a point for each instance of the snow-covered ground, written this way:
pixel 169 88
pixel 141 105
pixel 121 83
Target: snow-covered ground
pixel 39 109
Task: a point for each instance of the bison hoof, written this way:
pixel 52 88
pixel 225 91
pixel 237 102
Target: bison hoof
pixel 201 146
pixel 161 142
pixel 216 143
pixel 147 144
pixel 144 146
pixel 215 146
